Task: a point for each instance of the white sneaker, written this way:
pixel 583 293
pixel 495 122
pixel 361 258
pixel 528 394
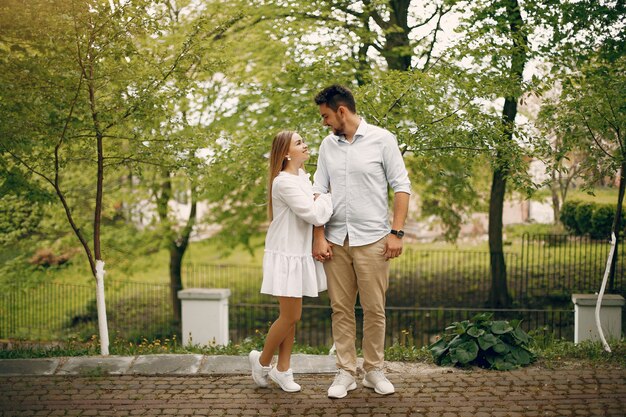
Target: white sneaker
pixel 259 372
pixel 343 383
pixel 376 379
pixel 284 379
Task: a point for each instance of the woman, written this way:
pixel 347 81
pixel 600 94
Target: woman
pixel 289 271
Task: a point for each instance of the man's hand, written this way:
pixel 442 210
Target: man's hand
pixel 393 247
pixel 322 250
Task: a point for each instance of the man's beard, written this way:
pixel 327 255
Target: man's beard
pixel 340 130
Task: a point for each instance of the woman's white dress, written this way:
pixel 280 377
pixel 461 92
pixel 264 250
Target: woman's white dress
pixel 289 269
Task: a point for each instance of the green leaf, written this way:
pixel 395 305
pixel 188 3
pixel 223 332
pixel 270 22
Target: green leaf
pixel 465 352
pixel 487 340
pixel 461 327
pixel 458 339
pixel 475 331
pixel 501 347
pixel 446 361
pixel 482 317
pixel 521 356
pixel 521 336
pixel 501 327
pixel 438 350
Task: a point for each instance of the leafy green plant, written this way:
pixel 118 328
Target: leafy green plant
pixel 602 221
pixel 568 216
pixel 484 342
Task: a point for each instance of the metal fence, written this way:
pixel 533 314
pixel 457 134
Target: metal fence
pixel 405 325
pixel 427 291
pixel 545 270
pixel 51 311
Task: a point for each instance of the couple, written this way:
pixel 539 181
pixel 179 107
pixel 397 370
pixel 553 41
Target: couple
pixel 356 162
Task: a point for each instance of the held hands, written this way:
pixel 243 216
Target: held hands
pixel 322 250
pixel 393 247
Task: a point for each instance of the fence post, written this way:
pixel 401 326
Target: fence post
pixel 584 316
pixel 204 316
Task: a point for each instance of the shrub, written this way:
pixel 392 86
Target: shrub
pixel 584 211
pixel 483 342
pixel 568 216
pixel 46 258
pixel 602 221
pixel 19 218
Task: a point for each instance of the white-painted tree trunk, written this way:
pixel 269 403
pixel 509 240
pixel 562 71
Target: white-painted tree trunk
pixel 601 294
pixel 102 311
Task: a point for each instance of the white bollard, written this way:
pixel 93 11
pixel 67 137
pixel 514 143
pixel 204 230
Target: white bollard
pixel 204 316
pixel 584 316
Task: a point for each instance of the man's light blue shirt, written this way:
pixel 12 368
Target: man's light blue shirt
pixel 357 174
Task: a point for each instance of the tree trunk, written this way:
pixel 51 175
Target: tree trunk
pixel 177 252
pixel 176 281
pixel 397 49
pixel 499 295
pixel 556 202
pixel 177 243
pixel 617 224
pixel 99 270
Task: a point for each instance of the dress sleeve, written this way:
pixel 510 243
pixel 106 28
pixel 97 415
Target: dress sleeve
pixel 321 179
pixel 316 212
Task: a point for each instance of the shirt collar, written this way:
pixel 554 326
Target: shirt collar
pixel 360 132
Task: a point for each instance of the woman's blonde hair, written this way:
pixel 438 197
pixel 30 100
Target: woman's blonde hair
pixel 278 160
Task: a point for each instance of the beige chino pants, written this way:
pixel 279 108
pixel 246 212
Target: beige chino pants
pixel 362 270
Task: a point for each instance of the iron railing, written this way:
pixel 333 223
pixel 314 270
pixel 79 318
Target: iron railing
pixel 427 290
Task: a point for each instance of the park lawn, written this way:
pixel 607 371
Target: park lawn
pixel 444 269
pixel 154 267
pixel 600 195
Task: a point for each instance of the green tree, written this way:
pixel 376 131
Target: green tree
pixel 182 107
pixel 79 81
pixel 586 48
pixel 590 114
pixel 496 42
pixel 428 101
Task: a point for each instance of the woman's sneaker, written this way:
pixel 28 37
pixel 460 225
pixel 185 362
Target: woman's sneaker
pixel 343 383
pixel 259 372
pixel 284 379
pixel 377 380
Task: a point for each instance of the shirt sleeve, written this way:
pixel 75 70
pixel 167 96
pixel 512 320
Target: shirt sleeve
pixel 317 212
pixel 321 180
pixel 395 170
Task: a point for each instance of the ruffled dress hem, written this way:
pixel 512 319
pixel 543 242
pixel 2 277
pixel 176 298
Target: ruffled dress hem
pixel 292 275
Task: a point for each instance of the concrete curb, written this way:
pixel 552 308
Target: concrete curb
pixel 163 364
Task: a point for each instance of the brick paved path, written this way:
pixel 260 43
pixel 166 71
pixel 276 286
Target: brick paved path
pixel 432 392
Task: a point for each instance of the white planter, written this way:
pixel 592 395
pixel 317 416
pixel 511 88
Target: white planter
pixel 204 316
pixel 610 316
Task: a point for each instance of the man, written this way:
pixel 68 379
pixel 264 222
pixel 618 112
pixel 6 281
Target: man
pixel 356 162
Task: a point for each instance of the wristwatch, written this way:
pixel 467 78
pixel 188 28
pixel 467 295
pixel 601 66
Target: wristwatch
pixel 398 233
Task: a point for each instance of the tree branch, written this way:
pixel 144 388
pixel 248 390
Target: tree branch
pixel 425 22
pixel 375 15
pixel 434 41
pixel 593 136
pixel 465 148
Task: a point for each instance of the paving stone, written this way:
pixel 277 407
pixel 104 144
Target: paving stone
pixel 96 366
pixel 45 366
pixel 166 364
pixel 422 390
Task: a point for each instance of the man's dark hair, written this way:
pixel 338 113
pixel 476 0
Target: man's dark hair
pixel 336 95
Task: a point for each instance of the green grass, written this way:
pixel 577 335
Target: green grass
pixel 55 307
pixel 556 353
pixel 550 352
pixel 601 195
